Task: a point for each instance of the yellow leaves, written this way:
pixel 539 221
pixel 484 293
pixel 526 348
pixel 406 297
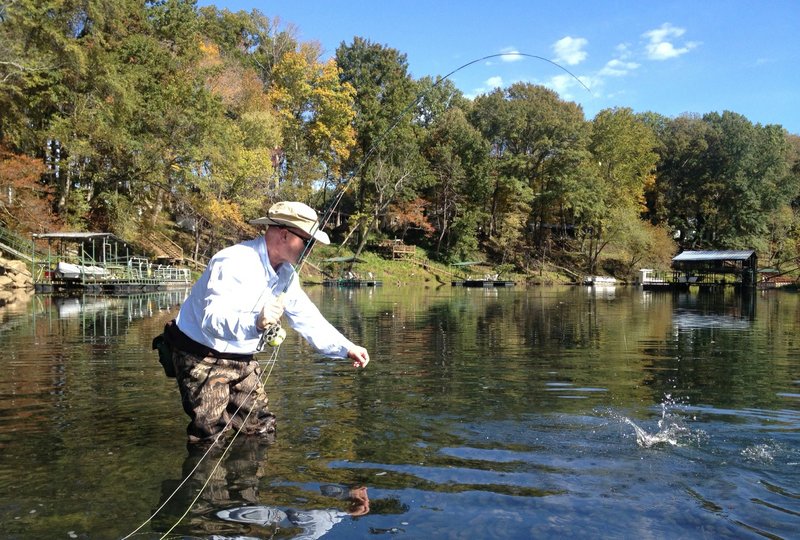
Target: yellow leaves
pixel 291 82
pixel 255 164
pixel 223 211
pixel 209 52
pixel 315 106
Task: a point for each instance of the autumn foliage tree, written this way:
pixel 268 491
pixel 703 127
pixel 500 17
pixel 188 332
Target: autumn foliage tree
pixel 26 203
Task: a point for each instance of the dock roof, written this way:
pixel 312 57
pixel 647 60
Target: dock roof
pixel 77 236
pixel 725 255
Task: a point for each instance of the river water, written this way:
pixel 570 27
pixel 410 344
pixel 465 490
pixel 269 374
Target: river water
pixel 534 412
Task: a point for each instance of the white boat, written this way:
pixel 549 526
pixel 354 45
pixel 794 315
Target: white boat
pixel 65 270
pixel 599 281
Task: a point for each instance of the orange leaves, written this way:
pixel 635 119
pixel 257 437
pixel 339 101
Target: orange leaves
pixel 24 197
pixel 19 171
pixel 404 215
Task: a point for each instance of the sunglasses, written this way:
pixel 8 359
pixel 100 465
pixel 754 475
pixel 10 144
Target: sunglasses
pixel 306 241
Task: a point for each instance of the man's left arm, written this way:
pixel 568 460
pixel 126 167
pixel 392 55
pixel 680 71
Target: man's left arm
pixel 305 318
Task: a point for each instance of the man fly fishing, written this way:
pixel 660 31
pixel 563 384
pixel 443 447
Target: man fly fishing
pixel 242 294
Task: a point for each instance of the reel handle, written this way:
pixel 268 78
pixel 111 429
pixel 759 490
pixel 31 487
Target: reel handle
pixel 273 336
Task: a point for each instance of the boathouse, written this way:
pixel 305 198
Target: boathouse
pixel 98 262
pixel 714 268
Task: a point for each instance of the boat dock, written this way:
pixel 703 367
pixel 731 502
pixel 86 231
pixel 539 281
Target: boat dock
pixel 99 263
pixel 704 270
pixel 344 282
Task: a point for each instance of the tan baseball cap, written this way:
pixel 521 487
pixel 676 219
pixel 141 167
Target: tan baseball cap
pixel 296 215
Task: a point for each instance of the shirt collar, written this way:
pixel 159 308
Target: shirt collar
pixel 285 270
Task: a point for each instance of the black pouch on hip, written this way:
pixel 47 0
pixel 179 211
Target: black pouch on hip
pixel 164 349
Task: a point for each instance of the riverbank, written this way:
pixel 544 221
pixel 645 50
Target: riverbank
pixel 16 283
pixel 416 268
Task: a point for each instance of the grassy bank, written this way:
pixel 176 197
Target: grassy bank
pixel 418 268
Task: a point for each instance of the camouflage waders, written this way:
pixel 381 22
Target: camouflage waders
pixel 212 389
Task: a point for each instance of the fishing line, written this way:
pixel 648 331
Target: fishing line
pixel 339 193
pixel 270 363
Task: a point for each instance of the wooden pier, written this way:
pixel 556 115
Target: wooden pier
pixel 487 283
pixel 352 283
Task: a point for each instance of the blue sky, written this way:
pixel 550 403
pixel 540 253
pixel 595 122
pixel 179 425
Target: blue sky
pixel 670 57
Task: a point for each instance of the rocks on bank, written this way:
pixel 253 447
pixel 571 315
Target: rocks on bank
pixel 14 274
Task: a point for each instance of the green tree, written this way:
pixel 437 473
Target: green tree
pixel 681 177
pixel 225 183
pixel 317 113
pixel 622 147
pixel 458 157
pixel 251 39
pixel 386 165
pixel 722 177
pixel 749 164
pixel 538 145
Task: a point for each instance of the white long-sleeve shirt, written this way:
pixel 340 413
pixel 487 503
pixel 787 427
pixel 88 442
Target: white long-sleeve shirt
pixel 223 305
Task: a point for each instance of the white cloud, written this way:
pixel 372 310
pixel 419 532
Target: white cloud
pixel 623 50
pixel 494 82
pixel 561 83
pixel 569 50
pixel 511 54
pixel 488 86
pixel 617 68
pixel 565 84
pixel 661 45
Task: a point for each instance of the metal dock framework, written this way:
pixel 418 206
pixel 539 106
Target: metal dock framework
pixel 99 262
pixel 708 270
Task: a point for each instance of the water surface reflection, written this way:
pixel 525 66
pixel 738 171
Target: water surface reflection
pixel 485 413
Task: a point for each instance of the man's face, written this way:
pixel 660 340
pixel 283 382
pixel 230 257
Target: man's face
pixel 295 241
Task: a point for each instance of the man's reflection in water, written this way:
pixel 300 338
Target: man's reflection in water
pixel 312 524
pixel 236 480
pixel 230 505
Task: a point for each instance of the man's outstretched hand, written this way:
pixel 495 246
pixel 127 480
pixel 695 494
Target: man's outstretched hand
pixel 359 356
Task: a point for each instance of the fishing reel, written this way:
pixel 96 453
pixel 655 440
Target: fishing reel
pixel 273 335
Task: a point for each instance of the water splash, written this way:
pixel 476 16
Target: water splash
pixel 760 453
pixel 671 434
pixel 671 430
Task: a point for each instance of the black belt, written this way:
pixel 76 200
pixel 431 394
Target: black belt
pixel 181 341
